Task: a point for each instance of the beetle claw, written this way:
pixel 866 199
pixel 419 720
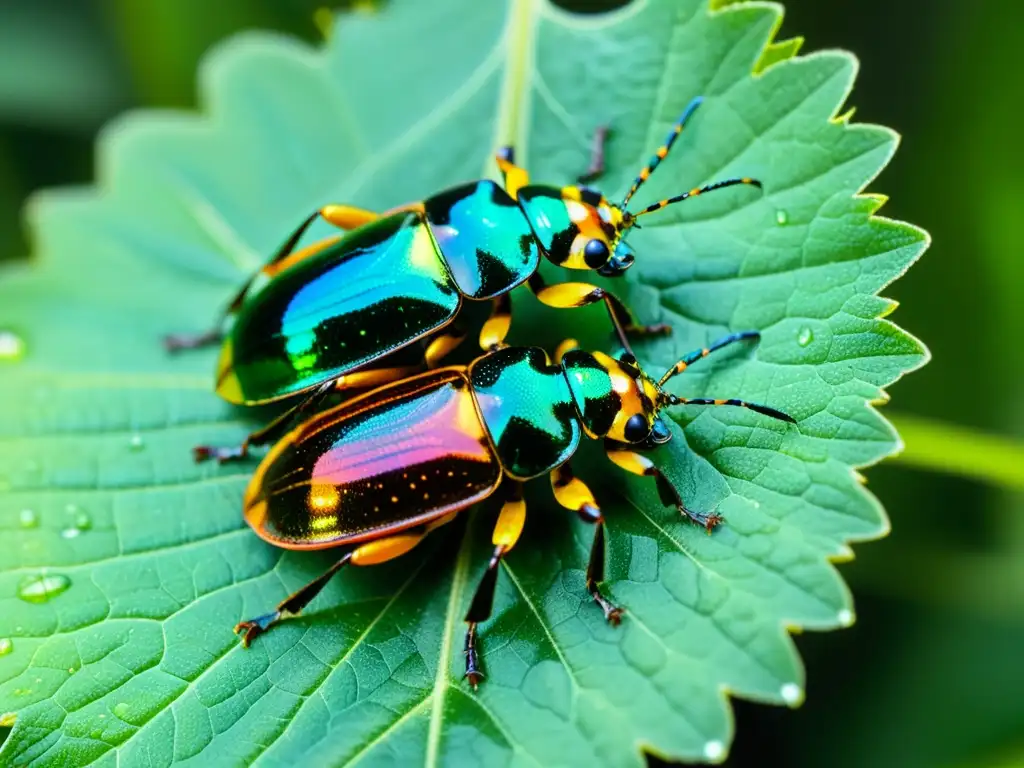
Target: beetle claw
pixel 251 629
pixel 177 342
pixel 708 521
pixel 203 453
pixel 613 615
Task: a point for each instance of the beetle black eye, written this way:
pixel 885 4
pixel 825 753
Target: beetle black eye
pixel 595 253
pixel 636 428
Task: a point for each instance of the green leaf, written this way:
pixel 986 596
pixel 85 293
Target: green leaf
pixel 133 660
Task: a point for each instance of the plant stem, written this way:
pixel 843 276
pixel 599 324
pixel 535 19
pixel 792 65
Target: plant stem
pixel 941 447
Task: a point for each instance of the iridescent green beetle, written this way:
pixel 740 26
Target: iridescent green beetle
pixel 374 475
pixel 379 303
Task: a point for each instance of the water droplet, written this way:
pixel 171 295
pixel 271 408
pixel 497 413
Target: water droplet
pixel 136 443
pixel 28 518
pixel 79 517
pixel 714 750
pixel 12 347
pixel 6 645
pixel 70 533
pixel 42 587
pixel 792 694
pixel 121 709
pixel 845 617
pixel 805 337
pixel 781 217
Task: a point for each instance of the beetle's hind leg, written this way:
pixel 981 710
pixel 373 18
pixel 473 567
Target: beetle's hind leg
pixel 371 553
pixel 506 534
pixel 572 493
pixel 344 217
pixel 372 377
pixel 268 433
pixel 291 605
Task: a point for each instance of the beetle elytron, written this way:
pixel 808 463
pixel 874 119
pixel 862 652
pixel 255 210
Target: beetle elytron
pixel 349 310
pixel 377 473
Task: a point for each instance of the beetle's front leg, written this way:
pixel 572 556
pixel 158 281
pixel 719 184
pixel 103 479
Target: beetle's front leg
pixel 625 456
pixel 568 295
pixel 596 168
pixel 515 177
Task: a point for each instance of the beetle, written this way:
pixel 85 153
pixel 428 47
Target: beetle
pixel 345 312
pixel 375 474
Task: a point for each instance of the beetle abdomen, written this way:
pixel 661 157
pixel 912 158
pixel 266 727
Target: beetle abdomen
pixel 376 290
pixel 403 456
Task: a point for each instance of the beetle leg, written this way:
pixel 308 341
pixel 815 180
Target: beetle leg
pixel 596 168
pixel 630 460
pixel 568 295
pixel 506 534
pixel 268 433
pixel 567 345
pixel 342 216
pixel 371 553
pixel 572 493
pixel 372 377
pixel 515 177
pixel 291 605
pixel 443 344
pixel 495 328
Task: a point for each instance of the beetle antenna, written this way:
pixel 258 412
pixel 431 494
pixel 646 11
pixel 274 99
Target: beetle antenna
pixel 694 193
pixel 670 399
pixel 663 150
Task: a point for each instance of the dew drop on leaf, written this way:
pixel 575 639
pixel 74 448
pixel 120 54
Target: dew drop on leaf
pixel 6 645
pixel 121 709
pixel 80 519
pixel 792 694
pixel 136 443
pixel 714 750
pixel 12 348
pixel 28 518
pixel 42 587
pixel 70 533
pixel 805 337
pixel 781 217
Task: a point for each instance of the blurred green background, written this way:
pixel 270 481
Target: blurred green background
pixel 932 674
